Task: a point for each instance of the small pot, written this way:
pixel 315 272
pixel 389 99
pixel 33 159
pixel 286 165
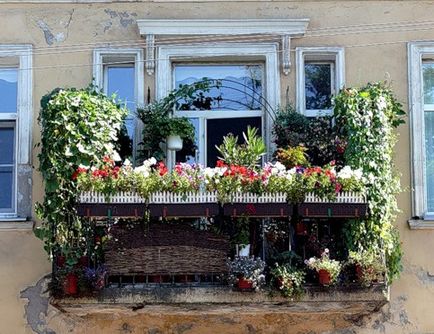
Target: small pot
pixel 174 143
pixel 245 284
pixel 324 277
pixel 279 282
pixel 244 250
pixel 70 286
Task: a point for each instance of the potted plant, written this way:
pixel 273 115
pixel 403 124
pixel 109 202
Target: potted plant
pixel 247 273
pixel 287 279
pixel 179 128
pixel 328 270
pixel 368 266
pixel 96 277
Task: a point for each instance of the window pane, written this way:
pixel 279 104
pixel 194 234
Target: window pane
pixel 428 82
pixel 240 86
pixel 8 90
pixel 188 154
pixel 218 128
pixel 6 146
pixel 318 89
pixel 120 81
pixel 6 186
pixel 429 163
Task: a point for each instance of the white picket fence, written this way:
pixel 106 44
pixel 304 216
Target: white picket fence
pixel 343 197
pixel 209 197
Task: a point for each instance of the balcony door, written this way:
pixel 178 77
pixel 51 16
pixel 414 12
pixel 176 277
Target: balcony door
pixel 234 101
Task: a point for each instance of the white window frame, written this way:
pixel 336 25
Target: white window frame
pixel 100 75
pixel 335 55
pixel 224 53
pixel 22 119
pixel 417 52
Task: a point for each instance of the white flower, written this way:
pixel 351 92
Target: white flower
pixel 381 103
pixel 116 156
pixel 83 167
pixel 127 163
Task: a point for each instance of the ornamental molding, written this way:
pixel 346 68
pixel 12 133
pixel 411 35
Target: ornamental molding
pixel 275 28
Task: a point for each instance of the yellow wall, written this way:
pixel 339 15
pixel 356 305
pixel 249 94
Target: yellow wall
pixel 369 56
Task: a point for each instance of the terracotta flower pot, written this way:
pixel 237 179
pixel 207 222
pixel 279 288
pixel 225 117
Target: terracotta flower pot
pixel 245 284
pixel 70 286
pixel 279 282
pixel 324 277
pixel 301 229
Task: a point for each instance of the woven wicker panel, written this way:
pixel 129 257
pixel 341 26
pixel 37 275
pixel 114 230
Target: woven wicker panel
pixel 165 249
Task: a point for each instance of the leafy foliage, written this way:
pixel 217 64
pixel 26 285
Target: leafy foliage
pixel 366 118
pixel 247 154
pixel 79 127
pixel 292 129
pixel 288 280
pixel 293 156
pixel 159 122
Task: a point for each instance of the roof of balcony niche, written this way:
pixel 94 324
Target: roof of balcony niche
pixel 292 27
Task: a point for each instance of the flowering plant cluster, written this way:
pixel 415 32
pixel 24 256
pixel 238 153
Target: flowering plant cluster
pixel 333 267
pixel 225 180
pixel 248 268
pixel 288 280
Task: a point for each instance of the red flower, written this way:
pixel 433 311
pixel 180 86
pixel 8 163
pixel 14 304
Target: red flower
pixel 108 160
pixel 338 187
pixel 162 169
pixel 220 163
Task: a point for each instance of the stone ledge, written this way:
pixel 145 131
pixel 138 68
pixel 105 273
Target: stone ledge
pixel 348 300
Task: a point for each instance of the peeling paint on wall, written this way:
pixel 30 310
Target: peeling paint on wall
pixel 35 311
pixel 55 31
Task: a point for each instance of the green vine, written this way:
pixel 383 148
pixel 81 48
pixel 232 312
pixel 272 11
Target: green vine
pixel 366 119
pixel 79 127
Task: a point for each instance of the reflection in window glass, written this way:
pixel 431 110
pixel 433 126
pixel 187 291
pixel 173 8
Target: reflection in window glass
pixel 7 139
pixel 318 85
pixel 121 81
pixel 428 83
pixel 240 86
pixel 188 153
pixel 429 162
pixel 8 90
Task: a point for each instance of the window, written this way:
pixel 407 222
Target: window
pixel 247 95
pixel 421 112
pixel 320 74
pixel 120 72
pixel 15 131
pixel 233 104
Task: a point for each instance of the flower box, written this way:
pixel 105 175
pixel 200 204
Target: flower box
pixel 194 204
pixel 346 205
pixel 265 205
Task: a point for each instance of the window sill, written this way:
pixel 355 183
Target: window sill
pixel 421 224
pixel 15 224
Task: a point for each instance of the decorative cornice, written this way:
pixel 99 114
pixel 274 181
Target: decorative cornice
pixel 292 27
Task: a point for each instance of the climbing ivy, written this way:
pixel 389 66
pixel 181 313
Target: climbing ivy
pixel 79 127
pixel 366 119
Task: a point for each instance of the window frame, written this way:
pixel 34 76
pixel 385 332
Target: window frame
pixel 22 54
pixel 100 56
pixel 417 52
pixel 225 53
pixel 317 55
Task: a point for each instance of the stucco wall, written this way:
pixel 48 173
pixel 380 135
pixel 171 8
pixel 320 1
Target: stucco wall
pixel 369 56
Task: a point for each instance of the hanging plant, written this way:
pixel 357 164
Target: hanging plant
pixel 366 119
pixel 159 122
pixel 79 128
